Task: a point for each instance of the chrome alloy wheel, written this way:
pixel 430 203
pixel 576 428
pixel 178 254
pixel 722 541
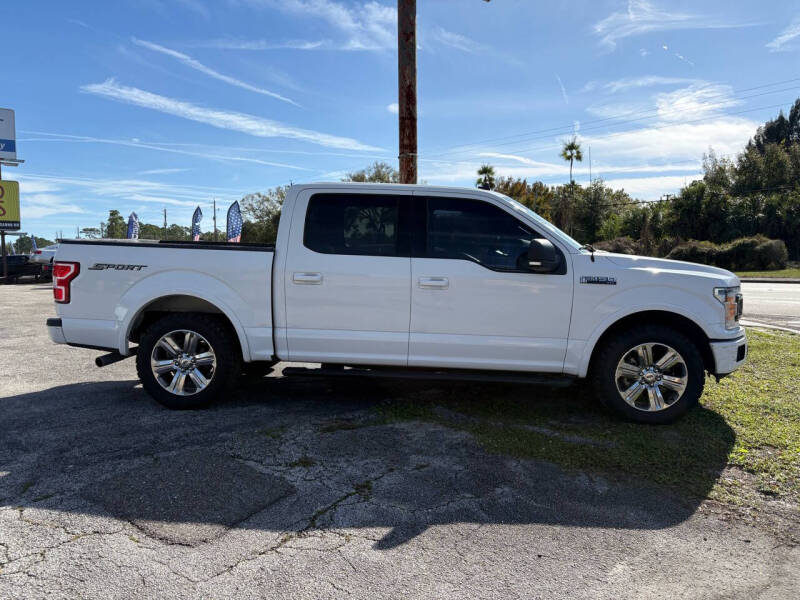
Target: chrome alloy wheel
pixel 651 377
pixel 183 362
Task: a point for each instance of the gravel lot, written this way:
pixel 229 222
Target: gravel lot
pixel 293 488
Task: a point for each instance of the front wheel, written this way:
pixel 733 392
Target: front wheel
pixel 186 360
pixel 650 374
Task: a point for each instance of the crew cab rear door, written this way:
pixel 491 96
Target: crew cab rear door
pixel 347 278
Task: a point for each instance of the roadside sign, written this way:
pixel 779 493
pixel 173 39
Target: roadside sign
pixel 9 205
pixel 8 135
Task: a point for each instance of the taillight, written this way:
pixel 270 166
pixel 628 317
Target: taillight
pixel 37 251
pixel 63 274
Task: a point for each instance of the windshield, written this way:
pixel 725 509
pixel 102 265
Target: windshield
pixel 545 224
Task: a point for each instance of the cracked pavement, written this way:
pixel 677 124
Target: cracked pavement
pixel 293 488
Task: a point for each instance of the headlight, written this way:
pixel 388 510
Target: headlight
pixel 731 299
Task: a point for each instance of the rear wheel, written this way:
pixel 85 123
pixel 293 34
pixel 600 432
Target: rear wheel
pixel 651 374
pixel 186 360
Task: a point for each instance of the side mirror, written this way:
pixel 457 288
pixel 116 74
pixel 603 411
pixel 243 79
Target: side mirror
pixel 543 256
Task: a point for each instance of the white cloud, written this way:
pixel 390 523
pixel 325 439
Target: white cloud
pixel 162 171
pixel 563 90
pixel 674 141
pixel 364 26
pixel 170 148
pixel 360 26
pixel 232 44
pixel 393 108
pixel 244 123
pixel 786 38
pixel 643 16
pixel 456 40
pixel 36 206
pixel 629 83
pixel 694 102
pixel 652 188
pixel 198 66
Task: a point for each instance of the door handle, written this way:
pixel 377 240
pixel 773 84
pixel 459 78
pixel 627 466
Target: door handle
pixel 307 278
pixel 438 283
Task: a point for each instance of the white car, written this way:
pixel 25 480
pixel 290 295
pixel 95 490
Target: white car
pixel 404 281
pixel 44 255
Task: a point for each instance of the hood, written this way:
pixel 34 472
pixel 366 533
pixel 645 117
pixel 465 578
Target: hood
pixel 647 263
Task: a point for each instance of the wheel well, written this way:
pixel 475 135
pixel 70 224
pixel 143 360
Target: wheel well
pixel 156 309
pixel 661 317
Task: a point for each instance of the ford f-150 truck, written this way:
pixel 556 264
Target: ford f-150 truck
pixel 403 281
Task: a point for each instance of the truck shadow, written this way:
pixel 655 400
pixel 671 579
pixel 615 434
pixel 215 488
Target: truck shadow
pixel 290 455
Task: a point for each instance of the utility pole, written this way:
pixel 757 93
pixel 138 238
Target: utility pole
pixel 165 223
pixel 3 241
pixel 407 88
pixel 591 200
pixel 215 218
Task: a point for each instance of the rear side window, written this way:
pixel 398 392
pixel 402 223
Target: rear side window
pixel 477 231
pixel 353 224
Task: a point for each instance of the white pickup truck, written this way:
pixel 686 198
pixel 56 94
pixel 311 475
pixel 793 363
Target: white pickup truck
pixel 403 281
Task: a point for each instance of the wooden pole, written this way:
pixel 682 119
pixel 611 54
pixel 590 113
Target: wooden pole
pixel 407 88
pixel 3 242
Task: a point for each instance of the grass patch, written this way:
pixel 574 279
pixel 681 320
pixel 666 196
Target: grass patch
pixel 792 272
pixel 750 420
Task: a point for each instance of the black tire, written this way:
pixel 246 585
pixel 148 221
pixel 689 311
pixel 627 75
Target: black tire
pixel 617 346
pixel 224 347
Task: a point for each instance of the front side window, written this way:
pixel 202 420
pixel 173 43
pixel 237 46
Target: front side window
pixel 477 231
pixel 352 224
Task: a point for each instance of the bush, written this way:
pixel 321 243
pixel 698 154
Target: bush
pixel 620 245
pixel 753 253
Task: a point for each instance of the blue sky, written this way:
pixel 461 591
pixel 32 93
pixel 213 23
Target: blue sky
pixel 145 104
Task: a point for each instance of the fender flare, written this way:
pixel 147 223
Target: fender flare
pixel 142 294
pixel 609 321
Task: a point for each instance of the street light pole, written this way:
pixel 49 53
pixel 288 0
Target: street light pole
pixel 407 88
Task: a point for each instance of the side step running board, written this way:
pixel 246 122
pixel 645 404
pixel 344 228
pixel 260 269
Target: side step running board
pixel 431 374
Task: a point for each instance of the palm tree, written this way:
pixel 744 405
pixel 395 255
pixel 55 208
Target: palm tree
pixel 485 177
pixel 571 152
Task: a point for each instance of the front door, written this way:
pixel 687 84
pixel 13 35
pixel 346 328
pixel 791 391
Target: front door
pixel 474 303
pixel 347 282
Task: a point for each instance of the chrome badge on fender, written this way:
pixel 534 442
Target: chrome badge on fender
pixel 599 280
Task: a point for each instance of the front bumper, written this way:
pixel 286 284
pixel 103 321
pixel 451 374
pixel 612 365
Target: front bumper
pixel 55 331
pixel 729 355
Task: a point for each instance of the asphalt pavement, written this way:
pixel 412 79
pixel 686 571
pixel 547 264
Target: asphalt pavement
pixel 293 488
pixel 773 304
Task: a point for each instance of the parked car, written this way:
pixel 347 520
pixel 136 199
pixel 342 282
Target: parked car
pixel 44 255
pixel 404 281
pixel 19 265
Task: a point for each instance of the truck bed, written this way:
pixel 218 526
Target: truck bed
pixel 120 280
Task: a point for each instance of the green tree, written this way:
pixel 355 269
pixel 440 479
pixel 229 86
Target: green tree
pixel 23 244
pixel 90 232
pixel 262 213
pixel 378 172
pixel 570 152
pixel 116 226
pixel 777 170
pixel 537 196
pixel 486 177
